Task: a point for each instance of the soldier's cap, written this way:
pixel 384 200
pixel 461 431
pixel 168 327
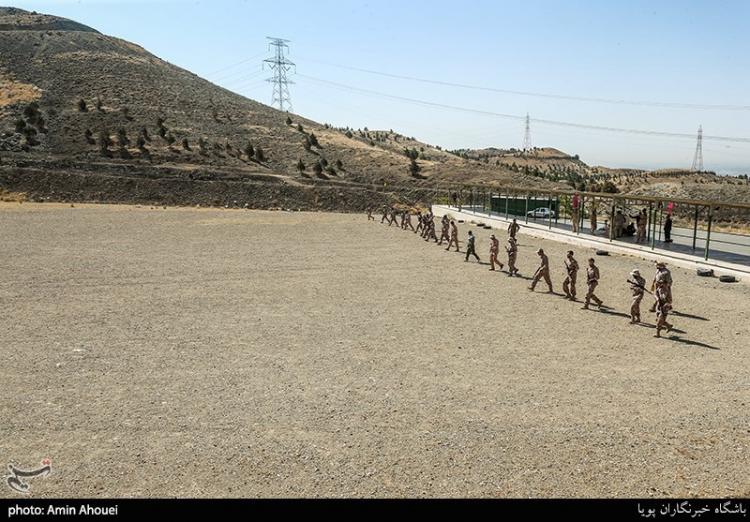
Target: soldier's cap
pixel 635 272
pixel 661 263
pixel 570 252
pixel 493 236
pixel 540 251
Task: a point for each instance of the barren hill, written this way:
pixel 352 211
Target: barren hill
pixel 75 99
pixel 88 116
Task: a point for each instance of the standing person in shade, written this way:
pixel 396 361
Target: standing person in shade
pixel 445 227
pixel 369 214
pixel 513 228
pixel 470 251
pixel 662 276
pixel 641 224
pixel 663 307
pixel 575 217
pixel 512 250
pixel 637 287
pixel 420 222
pixel 569 285
pixel 592 280
pixel 619 223
pixel 668 229
pixel 454 237
pixel 592 216
pixel 454 198
pixel 542 272
pixel 494 249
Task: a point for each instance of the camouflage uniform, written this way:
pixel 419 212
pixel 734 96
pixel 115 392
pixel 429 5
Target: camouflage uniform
pixel 592 281
pixel 637 289
pixel 569 285
pixel 512 250
pixel 542 272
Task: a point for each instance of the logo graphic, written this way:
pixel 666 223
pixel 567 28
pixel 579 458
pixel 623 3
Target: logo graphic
pixel 18 477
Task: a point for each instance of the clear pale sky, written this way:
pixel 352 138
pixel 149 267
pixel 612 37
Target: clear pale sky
pixel 668 51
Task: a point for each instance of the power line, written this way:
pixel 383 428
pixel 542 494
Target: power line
pixel 671 105
pixel 516 117
pixel 280 66
pixel 234 65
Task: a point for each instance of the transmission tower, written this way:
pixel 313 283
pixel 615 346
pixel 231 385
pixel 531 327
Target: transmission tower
pixel 280 66
pixel 698 158
pixel 527 135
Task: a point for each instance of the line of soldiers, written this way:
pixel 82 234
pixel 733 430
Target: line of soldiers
pixel 661 286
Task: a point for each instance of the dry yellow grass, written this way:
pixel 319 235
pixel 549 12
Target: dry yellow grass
pixel 8 196
pixel 14 92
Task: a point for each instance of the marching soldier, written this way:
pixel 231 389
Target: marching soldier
pixel 454 237
pixel 542 272
pixel 394 217
pixel 663 275
pixel 470 247
pixel 420 222
pixel 426 225
pixel 431 229
pixel 592 280
pixel 569 285
pixel 369 214
pixel 637 287
pixel 512 250
pixel 445 232
pixel 407 217
pixel 385 214
pixel 494 249
pixel 513 228
pixel 663 307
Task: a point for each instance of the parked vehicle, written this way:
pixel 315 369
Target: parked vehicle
pixel 541 212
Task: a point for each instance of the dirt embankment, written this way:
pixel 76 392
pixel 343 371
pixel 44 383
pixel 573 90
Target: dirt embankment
pixel 177 187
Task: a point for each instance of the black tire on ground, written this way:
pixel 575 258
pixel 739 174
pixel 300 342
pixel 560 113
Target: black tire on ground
pixel 705 272
pixel 727 279
pixel 602 253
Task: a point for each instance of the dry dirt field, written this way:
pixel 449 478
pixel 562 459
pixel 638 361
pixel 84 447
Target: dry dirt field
pixel 196 352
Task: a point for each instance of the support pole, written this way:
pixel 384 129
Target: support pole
pixel 661 215
pixel 612 220
pixel 527 209
pixel 708 231
pixel 549 203
pixel 507 198
pixel 695 226
pixel 652 224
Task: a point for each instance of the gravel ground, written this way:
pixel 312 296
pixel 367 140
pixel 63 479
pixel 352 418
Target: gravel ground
pixel 184 352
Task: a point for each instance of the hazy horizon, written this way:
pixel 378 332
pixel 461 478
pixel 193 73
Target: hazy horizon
pixel 686 53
